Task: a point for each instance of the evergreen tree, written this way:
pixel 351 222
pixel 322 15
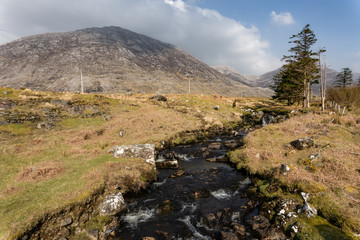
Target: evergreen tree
pixel 303 65
pixel 344 78
pixel 287 86
pixel 359 81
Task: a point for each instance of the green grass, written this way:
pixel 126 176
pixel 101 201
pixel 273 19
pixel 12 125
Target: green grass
pixel 17 129
pixel 319 229
pixel 80 123
pixel 77 146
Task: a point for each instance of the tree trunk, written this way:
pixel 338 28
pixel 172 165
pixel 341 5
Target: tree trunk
pixel 308 95
pixel 304 95
pixel 323 94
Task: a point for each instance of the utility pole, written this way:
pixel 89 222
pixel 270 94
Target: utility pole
pixel 81 82
pixel 189 85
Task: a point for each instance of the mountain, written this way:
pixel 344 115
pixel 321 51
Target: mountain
pixel 250 81
pixel 232 73
pixel 111 60
pixel 265 80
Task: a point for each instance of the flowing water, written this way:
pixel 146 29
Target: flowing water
pixel 199 200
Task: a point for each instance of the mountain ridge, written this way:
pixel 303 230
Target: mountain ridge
pixel 112 60
pixel 265 80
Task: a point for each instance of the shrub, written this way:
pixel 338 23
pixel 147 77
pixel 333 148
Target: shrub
pixel 349 96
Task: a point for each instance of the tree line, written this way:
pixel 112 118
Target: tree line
pixel 303 68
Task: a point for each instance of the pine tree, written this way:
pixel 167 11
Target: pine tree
pixel 287 86
pixel 344 78
pixel 303 62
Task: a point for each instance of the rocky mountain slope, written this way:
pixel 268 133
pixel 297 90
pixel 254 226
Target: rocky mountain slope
pixel 111 59
pixel 235 75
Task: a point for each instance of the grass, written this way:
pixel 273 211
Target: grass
pixel 333 180
pixel 319 229
pixel 17 129
pixel 43 170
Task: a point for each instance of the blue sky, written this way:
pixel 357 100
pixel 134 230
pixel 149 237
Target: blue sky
pixel 250 35
pixel 335 23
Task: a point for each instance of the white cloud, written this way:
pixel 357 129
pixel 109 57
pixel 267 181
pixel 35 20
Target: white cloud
pixel 204 33
pixel 283 18
pixel 179 4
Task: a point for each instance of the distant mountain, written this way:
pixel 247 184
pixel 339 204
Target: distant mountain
pixel 265 80
pixel 113 60
pixel 250 81
pixel 233 74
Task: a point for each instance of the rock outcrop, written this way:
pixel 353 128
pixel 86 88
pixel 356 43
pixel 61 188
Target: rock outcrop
pixel 302 143
pixel 144 151
pixel 113 204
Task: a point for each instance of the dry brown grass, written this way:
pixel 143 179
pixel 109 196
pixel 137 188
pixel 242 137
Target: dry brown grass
pixel 65 164
pixel 337 172
pixel 41 171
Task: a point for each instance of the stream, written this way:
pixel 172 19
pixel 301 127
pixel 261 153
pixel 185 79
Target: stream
pixel 200 199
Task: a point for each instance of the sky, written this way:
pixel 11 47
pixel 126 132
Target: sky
pixel 250 35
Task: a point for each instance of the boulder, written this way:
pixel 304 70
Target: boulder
pixel 214 145
pixel 172 155
pixel 44 125
pixel 228 236
pixel 66 222
pixel 309 210
pixel 112 205
pixel 64 233
pixel 239 229
pixel 302 143
pixel 231 144
pixel 144 151
pixel 178 174
pixel 259 225
pixel 93 234
pixel 222 158
pixel 210 220
pixel 3 122
pixel 266 119
pixel 285 168
pixel 159 97
pixel 166 163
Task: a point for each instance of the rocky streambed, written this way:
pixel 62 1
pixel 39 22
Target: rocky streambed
pixel 197 196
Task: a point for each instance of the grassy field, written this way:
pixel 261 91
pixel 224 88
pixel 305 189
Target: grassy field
pixel 47 168
pixel 333 179
pixel 54 152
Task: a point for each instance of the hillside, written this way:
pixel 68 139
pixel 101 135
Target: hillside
pixel 54 146
pixel 112 60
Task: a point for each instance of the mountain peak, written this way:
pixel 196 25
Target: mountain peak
pixel 111 59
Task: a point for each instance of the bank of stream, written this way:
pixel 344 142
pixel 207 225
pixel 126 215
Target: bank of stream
pixel 203 198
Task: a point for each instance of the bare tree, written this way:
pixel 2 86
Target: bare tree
pixel 322 80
